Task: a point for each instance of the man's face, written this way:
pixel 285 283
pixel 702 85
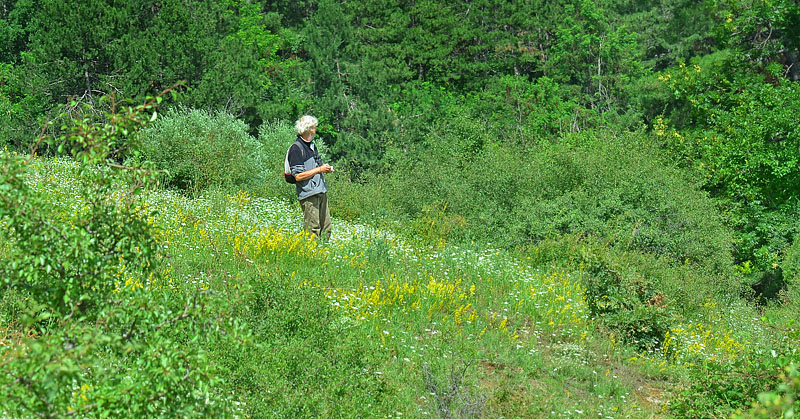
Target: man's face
pixel 312 133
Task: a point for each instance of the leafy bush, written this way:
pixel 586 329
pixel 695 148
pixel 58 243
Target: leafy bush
pixel 760 382
pixel 791 263
pixel 625 300
pixel 618 189
pixel 90 341
pixel 68 258
pixel 782 401
pixel 736 129
pixel 199 149
pixel 765 380
pixel 719 389
pixel 22 105
pixel 630 293
pixel 790 269
pixel 360 195
pixel 131 362
pixel 615 188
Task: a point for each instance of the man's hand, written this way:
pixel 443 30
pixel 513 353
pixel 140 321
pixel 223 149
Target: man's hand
pixel 308 174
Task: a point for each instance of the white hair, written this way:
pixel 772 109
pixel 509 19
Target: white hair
pixel 305 123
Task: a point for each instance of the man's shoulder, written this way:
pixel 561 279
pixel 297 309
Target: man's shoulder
pixel 296 151
pixel 296 145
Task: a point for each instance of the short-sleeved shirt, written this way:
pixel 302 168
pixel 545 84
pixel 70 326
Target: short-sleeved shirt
pixel 303 156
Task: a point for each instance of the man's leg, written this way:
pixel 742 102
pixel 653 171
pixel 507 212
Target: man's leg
pixel 324 217
pixel 311 214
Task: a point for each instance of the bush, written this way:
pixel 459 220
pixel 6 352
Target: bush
pixel 783 401
pixel 719 389
pixel 764 379
pixel 200 149
pixel 614 188
pixel 627 292
pixel 89 341
pixel 736 128
pixel 363 199
pixel 71 258
pixel 125 364
pixel 791 263
pixel 618 189
pixel 625 299
pixel 790 266
pixel 23 105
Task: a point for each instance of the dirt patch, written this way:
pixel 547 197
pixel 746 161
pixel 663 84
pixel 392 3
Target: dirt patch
pixel 648 393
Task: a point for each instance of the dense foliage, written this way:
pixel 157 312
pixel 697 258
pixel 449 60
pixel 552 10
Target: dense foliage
pixel 645 155
pixel 197 150
pixel 73 260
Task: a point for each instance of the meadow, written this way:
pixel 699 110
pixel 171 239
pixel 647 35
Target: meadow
pixel 373 323
pixel 541 209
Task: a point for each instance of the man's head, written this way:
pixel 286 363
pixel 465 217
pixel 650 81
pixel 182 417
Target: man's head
pixel 306 127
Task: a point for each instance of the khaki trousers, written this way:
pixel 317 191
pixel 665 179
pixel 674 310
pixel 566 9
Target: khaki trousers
pixel 316 215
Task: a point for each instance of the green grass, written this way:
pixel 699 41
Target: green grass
pixel 374 325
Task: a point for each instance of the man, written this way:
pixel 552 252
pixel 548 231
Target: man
pixel 307 168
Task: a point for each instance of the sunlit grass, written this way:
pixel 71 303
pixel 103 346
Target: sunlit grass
pixel 418 305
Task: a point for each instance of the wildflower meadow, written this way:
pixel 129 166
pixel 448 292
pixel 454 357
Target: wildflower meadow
pixel 265 321
pixel 571 209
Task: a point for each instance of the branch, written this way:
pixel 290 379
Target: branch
pixel 164 393
pixel 29 384
pixel 122 167
pixel 182 316
pixel 35 146
pixel 782 329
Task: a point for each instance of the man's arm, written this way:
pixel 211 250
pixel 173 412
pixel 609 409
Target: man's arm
pixel 308 174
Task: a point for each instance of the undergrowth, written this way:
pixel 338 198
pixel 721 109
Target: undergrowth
pixel 275 324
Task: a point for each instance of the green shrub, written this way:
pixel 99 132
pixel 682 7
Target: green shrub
pixel 617 188
pixel 783 401
pixel 71 258
pixel 790 267
pixel 359 199
pixel 737 129
pixel 198 149
pixel 627 292
pixel 625 300
pixel 719 389
pixel 89 340
pixel 763 379
pixel 131 363
pixel 612 187
pixel 23 105
pixel 791 264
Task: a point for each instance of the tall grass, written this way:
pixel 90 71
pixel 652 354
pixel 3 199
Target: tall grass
pixel 372 324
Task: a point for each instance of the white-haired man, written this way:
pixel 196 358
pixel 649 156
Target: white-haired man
pixel 307 168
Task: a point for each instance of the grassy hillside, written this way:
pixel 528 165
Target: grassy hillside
pixel 565 209
pixel 247 317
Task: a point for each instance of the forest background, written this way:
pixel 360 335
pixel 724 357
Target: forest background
pixel 668 129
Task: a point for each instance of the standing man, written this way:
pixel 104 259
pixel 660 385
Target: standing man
pixel 307 168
